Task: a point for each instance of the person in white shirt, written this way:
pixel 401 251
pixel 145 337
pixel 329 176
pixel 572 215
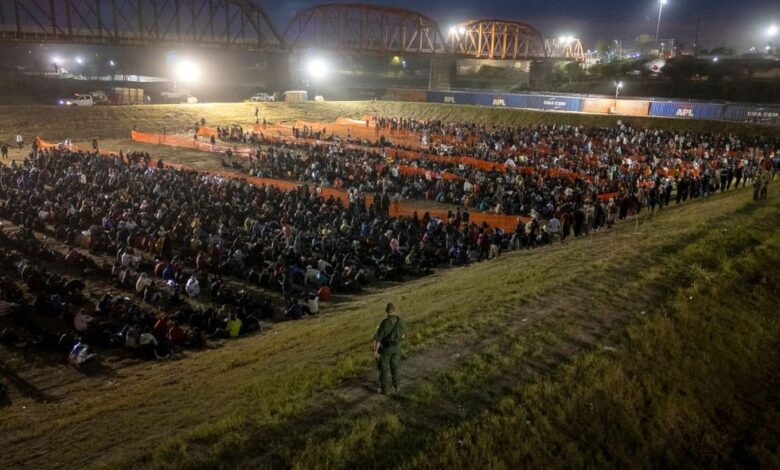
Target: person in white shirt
pixel 81 321
pixel 554 229
pixel 142 283
pixel 19 140
pixel 193 286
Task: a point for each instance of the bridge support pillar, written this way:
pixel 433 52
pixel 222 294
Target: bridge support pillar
pixel 279 75
pixel 442 74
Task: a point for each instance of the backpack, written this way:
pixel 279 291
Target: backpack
pixel 392 338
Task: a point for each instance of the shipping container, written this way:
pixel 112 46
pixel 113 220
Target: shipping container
pixel 686 110
pixel 488 99
pixel 126 96
pixel 450 97
pixel 296 96
pixel 406 94
pixel 632 108
pixel 598 105
pixel 752 113
pixel 554 103
pixel 515 101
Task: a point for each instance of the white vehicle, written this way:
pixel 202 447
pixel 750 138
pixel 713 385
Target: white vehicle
pixel 78 100
pixel 261 97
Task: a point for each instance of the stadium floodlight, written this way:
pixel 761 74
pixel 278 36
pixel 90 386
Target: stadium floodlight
pixel 772 30
pixel 453 30
pixel 462 30
pixel 317 69
pixel 661 4
pixel 79 60
pixel 187 71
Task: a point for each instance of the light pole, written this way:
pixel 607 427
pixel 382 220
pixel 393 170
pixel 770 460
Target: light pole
pixel 618 86
pixel 661 4
pixel 771 32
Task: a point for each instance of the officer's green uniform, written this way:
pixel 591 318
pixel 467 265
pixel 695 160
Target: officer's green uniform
pixel 390 334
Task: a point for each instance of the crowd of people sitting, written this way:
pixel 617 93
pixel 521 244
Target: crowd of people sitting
pixel 171 237
pixel 542 169
pixel 169 246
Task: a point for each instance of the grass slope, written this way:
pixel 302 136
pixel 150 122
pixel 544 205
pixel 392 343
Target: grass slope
pixel 57 123
pixel 527 359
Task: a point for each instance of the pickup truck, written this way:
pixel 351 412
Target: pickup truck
pixel 78 100
pixel 261 98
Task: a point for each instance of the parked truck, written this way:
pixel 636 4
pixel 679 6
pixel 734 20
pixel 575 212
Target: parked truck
pixel 111 96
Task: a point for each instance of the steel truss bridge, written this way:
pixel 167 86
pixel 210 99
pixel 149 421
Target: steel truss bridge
pixel 245 25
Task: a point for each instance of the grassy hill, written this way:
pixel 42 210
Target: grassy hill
pixel 654 344
pixel 56 123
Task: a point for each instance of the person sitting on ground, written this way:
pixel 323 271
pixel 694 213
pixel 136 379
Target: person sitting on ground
pixel 82 321
pixel 147 344
pixel 234 326
pixel 80 354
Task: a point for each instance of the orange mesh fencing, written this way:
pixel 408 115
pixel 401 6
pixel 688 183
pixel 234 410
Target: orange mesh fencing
pixel 187 142
pixel 207 132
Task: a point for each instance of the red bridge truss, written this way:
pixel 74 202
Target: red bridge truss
pixel 244 25
pixel 364 28
pixel 496 39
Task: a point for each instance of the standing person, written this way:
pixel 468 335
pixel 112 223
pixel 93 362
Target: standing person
pixel 4 151
pixel 387 348
pixel 767 177
pixel 19 140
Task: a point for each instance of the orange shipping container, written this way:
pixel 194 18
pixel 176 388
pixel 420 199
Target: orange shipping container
pixel 633 107
pixel 598 105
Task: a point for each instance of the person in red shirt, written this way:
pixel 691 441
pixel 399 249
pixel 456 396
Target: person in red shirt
pixel 176 335
pixel 161 328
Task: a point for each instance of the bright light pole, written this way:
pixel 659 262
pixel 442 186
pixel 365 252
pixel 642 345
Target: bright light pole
pixel 771 32
pixel 618 86
pixel 661 4
pixel 187 71
pixel 318 70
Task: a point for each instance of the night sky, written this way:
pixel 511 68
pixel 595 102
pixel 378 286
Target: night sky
pixel 723 22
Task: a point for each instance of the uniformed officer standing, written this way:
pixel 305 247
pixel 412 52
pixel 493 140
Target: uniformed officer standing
pixel 387 348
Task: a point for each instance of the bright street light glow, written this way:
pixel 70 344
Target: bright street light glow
pixel 715 59
pixel 453 30
pixel 566 39
pixel 111 63
pixel 619 84
pixel 462 30
pixel 663 2
pixel 772 30
pixel 317 69
pixel 56 60
pixel 187 71
pixel 79 60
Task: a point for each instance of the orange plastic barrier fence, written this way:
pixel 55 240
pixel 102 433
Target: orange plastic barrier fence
pixel 354 122
pixel 42 144
pixel 504 222
pixel 187 142
pixel 180 141
pixel 207 132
